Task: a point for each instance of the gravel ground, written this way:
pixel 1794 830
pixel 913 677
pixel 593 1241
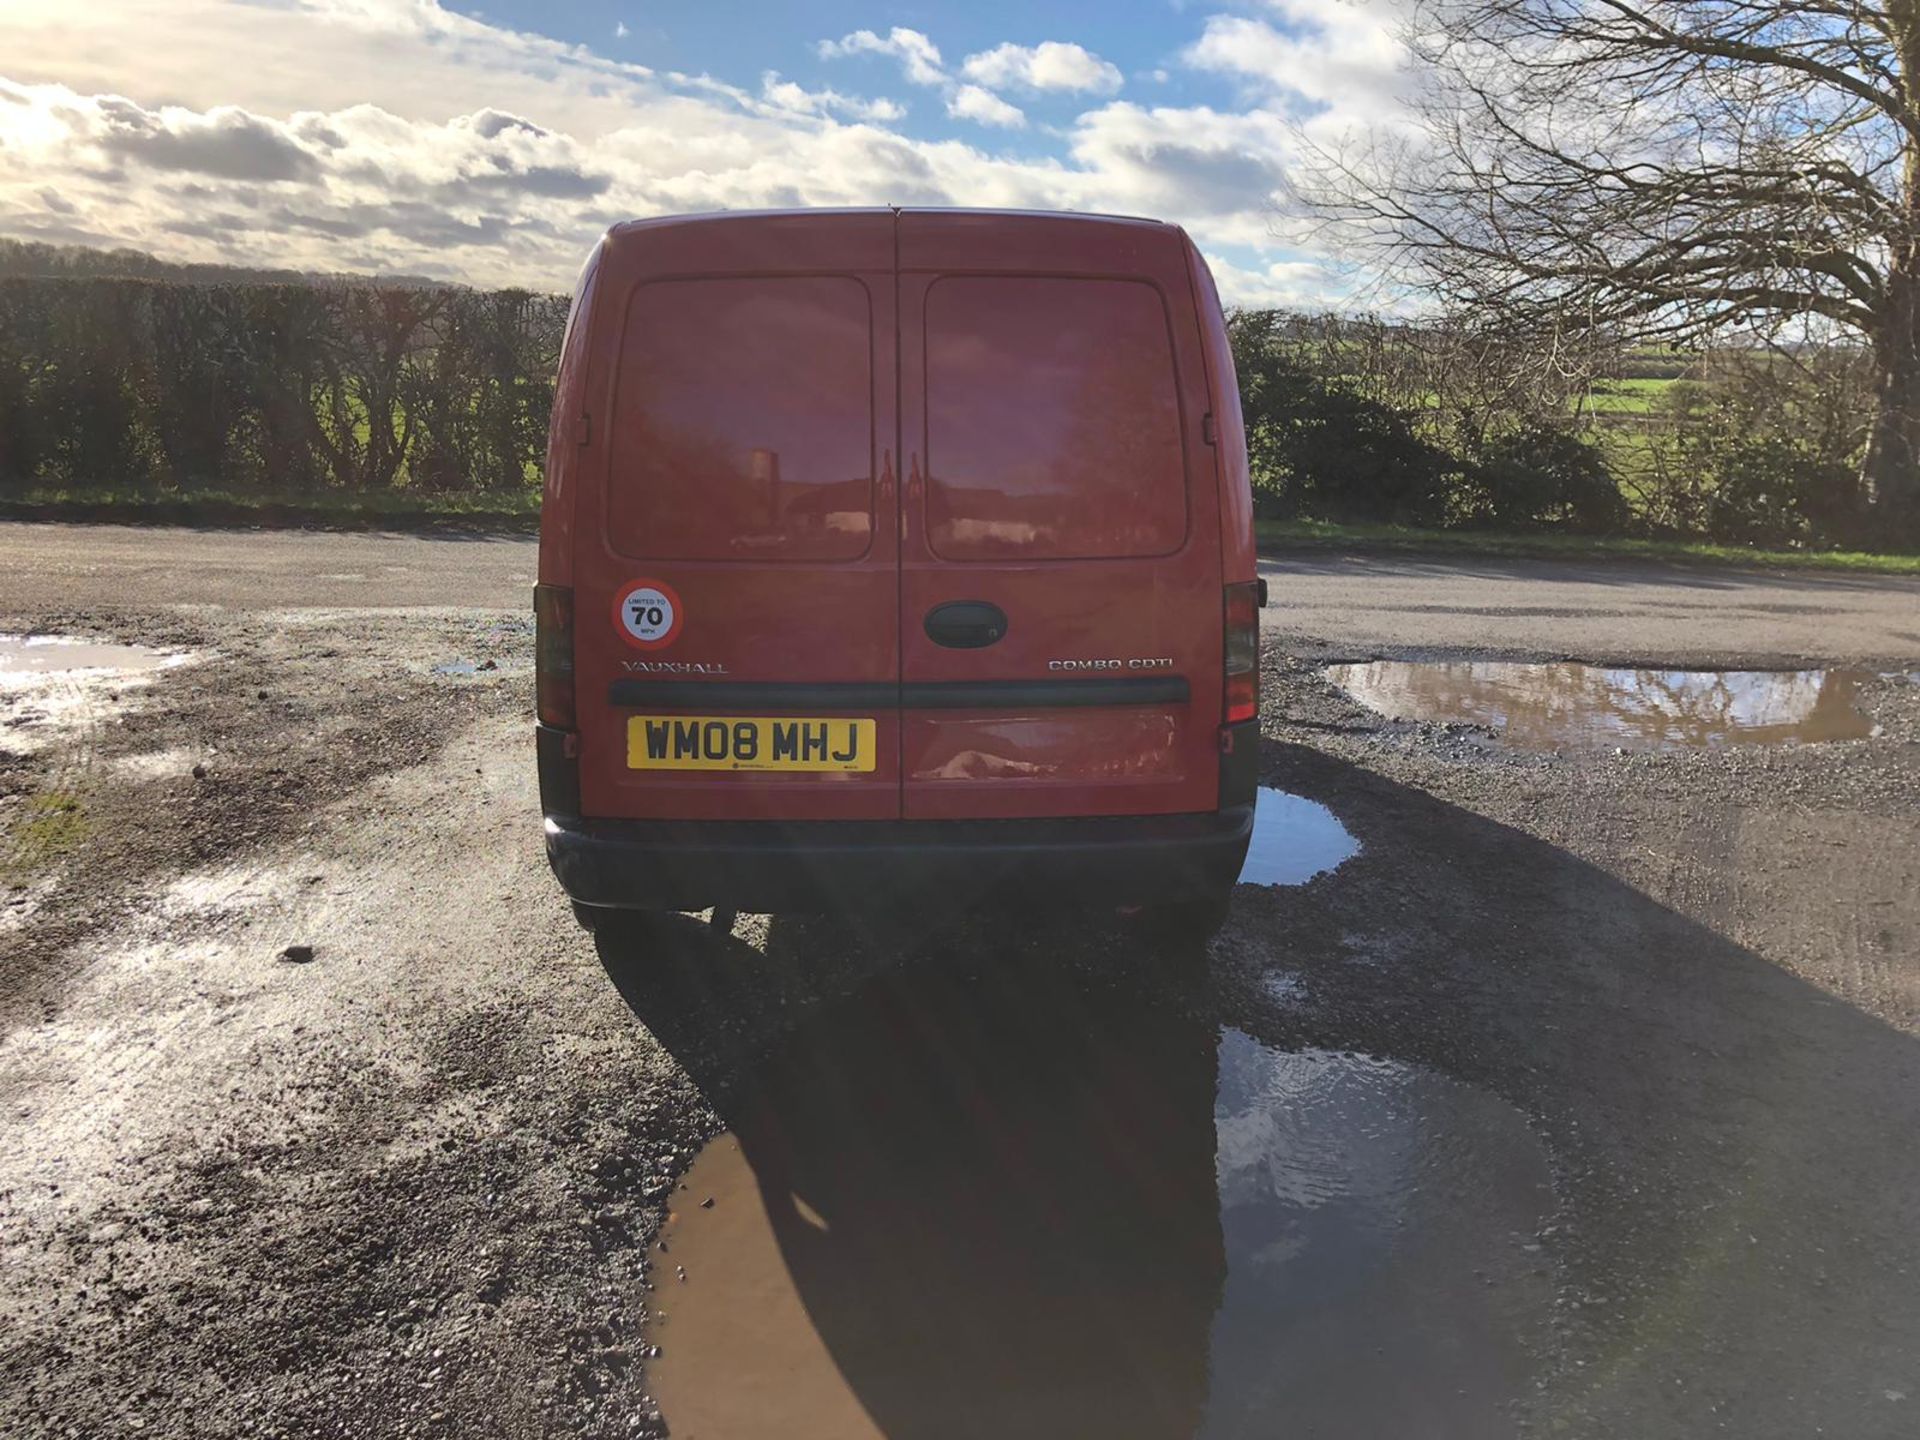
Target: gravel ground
pixel 408 1185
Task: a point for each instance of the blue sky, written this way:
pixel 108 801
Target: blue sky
pixel 492 143
pixel 739 41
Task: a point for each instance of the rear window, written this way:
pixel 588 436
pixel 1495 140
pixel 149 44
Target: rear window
pixel 743 421
pixel 1053 420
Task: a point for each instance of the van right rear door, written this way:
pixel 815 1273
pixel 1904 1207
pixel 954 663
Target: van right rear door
pixel 1060 583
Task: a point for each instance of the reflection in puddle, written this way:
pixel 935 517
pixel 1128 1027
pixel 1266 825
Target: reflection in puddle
pixel 50 683
pixel 48 654
pixel 1294 839
pixel 1549 706
pixel 1374 1216
pixel 1028 1204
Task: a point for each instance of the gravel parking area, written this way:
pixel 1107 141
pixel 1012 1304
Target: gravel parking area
pixel 324 1119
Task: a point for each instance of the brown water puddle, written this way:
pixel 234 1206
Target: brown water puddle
pixel 22 655
pixel 1563 705
pixel 1018 1204
pixel 52 685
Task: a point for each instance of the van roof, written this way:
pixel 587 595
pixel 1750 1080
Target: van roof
pixel 718 216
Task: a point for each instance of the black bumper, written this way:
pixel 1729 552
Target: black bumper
pixel 770 865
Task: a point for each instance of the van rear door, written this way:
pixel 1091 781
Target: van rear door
pixel 1061 597
pixel 736 552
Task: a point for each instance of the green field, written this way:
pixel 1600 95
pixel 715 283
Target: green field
pixel 1626 397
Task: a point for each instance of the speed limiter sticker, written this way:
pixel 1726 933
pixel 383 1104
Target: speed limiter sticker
pixel 647 613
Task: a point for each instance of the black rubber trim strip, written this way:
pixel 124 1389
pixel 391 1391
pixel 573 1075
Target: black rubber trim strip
pixel 1045 694
pixel 772 865
pixel 793 698
pixel 559 774
pixel 930 695
pixel 1240 765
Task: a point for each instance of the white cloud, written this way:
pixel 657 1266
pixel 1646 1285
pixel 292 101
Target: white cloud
pixel 620 31
pixel 919 57
pixel 970 102
pixel 392 135
pixel 1290 284
pixel 1209 169
pixel 790 96
pixel 1050 65
pixel 920 61
pixel 1345 54
pixel 409 57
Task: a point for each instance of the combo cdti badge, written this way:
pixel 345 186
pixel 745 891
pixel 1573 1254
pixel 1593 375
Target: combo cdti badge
pixel 885 549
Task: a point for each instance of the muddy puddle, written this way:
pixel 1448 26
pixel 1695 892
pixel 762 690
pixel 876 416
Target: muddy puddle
pixel 1563 705
pixel 1294 839
pixel 30 655
pixel 52 683
pixel 1024 1204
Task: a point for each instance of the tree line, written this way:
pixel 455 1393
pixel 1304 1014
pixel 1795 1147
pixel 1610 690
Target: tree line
pixel 1674 171
pixel 123 387
pixel 115 385
pixel 1445 424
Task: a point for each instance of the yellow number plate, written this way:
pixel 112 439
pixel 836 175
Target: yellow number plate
pixel 728 742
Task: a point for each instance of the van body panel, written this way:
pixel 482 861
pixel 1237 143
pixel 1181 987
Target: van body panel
pixel 742 461
pixel 1052 394
pixel 557 511
pixel 1238 555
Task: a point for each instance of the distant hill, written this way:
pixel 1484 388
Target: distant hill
pixel 33 259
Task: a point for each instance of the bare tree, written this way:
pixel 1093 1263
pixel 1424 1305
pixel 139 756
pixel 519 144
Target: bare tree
pixel 1667 169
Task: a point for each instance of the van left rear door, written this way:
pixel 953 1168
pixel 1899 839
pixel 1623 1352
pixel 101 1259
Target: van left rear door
pixel 737 655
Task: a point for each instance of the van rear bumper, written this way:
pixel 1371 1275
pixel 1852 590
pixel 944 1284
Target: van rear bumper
pixel 770 865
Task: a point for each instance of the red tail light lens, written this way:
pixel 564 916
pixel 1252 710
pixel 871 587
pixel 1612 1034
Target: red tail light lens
pixel 553 655
pixel 1243 652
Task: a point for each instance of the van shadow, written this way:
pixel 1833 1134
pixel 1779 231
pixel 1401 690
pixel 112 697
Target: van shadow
pixel 990 1158
pixel 991 1184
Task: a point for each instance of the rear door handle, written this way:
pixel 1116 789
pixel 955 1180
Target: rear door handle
pixel 966 624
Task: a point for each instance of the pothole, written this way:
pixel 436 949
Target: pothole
pixel 1294 839
pixel 1565 705
pixel 966 1207
pixel 52 683
pixel 1379 1221
pixel 53 654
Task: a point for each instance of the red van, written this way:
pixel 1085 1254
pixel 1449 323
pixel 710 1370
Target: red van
pixel 885 549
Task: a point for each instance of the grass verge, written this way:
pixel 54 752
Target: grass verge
pixel 320 509
pixel 1296 535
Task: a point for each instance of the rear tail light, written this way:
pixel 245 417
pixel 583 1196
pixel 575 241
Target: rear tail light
pixel 1243 652
pixel 553 655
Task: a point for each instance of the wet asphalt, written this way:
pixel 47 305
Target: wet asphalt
pixel 1542 1084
